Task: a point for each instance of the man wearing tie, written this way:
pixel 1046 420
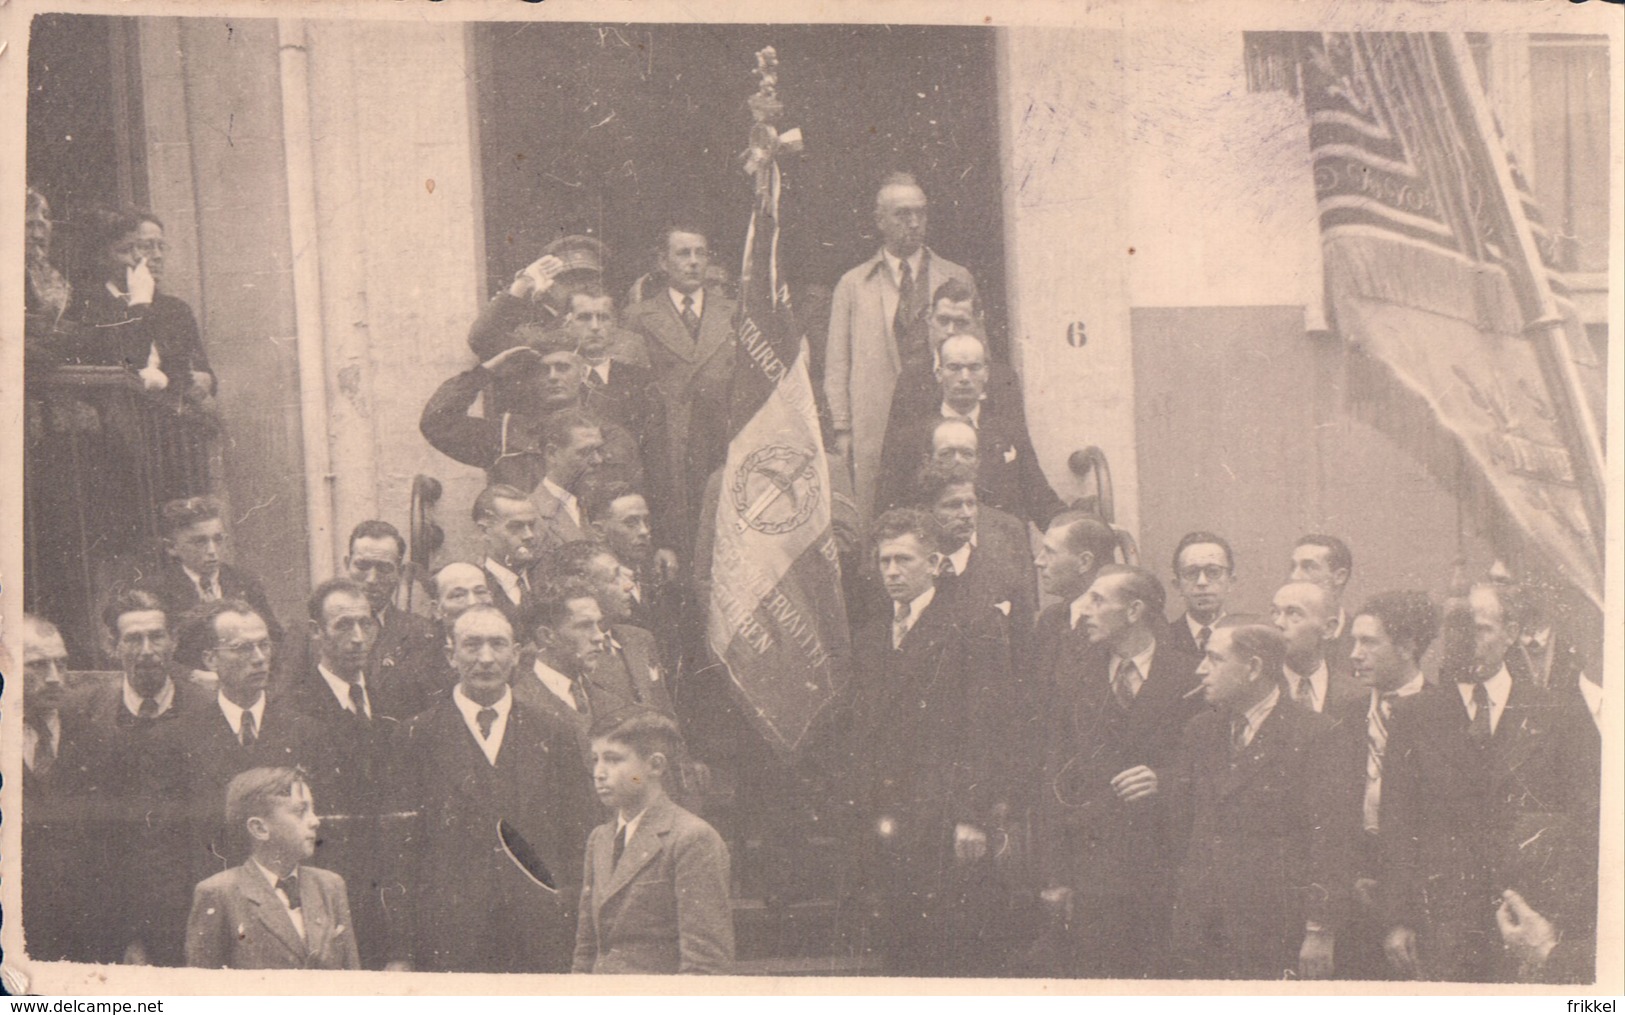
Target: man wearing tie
pixel 933 717
pixel 630 672
pixel 1114 712
pixel 196 572
pixel 1391 632
pixel 1204 570
pixel 510 526
pixel 567 629
pixel 1305 614
pixel 473 760
pixel 406 642
pixel 1487 787
pixel 689 333
pixel 878 326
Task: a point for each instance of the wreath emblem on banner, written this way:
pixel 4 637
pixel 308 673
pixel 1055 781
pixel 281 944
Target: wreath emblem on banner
pixel 776 489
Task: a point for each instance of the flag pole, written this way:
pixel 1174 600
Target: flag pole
pixel 1543 323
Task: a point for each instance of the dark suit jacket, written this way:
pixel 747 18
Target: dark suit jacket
pixel 936 724
pixel 631 675
pixel 1264 839
pixel 180 596
pixel 409 648
pixel 1178 634
pixel 1093 842
pixel 61 857
pixel 664 908
pixel 1001 571
pixel 693 376
pixel 508 445
pixel 1462 822
pixel 471 908
pixel 1008 475
pixel 238 922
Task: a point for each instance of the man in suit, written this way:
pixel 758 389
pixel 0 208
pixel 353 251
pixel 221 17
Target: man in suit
pixel 511 528
pixel 274 911
pixel 1305 614
pixel 1327 561
pixel 878 326
pixel 618 515
pixel 935 724
pixel 1007 467
pixel 689 333
pixel 512 445
pixel 986 556
pixel 407 644
pixel 57 847
pixel 955 310
pixel 1489 785
pixel 243 728
pixel 1391 633
pixel 1260 814
pixel 351 716
pixel 1204 571
pixel 617 390
pixel 116 765
pixel 471 761
pixel 629 673
pixel 197 574
pixel 1116 706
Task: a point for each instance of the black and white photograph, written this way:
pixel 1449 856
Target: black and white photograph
pixel 1111 498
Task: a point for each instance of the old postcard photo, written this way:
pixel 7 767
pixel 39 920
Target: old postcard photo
pixel 1106 498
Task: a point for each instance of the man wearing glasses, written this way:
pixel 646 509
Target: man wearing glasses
pixel 1204 570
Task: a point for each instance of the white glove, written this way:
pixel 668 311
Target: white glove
pixel 152 375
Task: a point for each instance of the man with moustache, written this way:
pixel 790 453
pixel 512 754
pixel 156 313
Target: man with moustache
pixel 877 327
pixel 1115 712
pixel 1305 614
pixel 478 758
pixel 510 527
pixel 986 556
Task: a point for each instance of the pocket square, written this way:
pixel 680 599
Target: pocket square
pixel 1003 606
pixel 1009 455
pixel 654 674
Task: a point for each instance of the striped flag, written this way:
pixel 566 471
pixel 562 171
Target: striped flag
pixel 776 617
pixel 1439 271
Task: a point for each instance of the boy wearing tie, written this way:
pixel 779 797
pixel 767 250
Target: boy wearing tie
pixel 654 898
pixel 273 912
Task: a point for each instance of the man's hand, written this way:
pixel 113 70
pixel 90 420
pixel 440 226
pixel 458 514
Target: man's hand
pixel 1400 945
pixel 203 381
pixel 970 843
pixel 1529 936
pixel 140 284
pixel 536 278
pixel 843 444
pixel 1315 957
pixel 1057 902
pixel 666 564
pixel 511 359
pixel 153 379
pixel 1137 783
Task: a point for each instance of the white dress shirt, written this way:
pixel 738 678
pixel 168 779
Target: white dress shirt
pixel 1142 662
pixel 571 506
pixel 1592 693
pixel 31 738
pixel 506 578
pixel 296 915
pixel 164 699
pixel 1497 687
pixel 904 622
pixel 1196 628
pixel 234 714
pixel 491 746
pixel 208 589
pixel 697 298
pixel 960 558
pixel 974 417
pixel 1317 680
pixel 1256 715
pixel 341 689
pixel 557 684
pixel 894 269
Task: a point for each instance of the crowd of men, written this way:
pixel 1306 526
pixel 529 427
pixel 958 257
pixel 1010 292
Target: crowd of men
pixel 1077 789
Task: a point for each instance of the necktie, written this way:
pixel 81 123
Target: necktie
pixel 905 305
pixel 1479 729
pixel 1376 745
pixel 358 699
pixel 1202 636
pixel 948 569
pixel 578 694
pixel 1238 736
pixel 524 583
pixel 147 710
pixel 250 731
pixel 209 589
pixel 485 717
pixel 44 748
pixel 620 846
pixel 593 380
pixel 899 626
pixel 289 886
pixel 691 320
pixel 1125 682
